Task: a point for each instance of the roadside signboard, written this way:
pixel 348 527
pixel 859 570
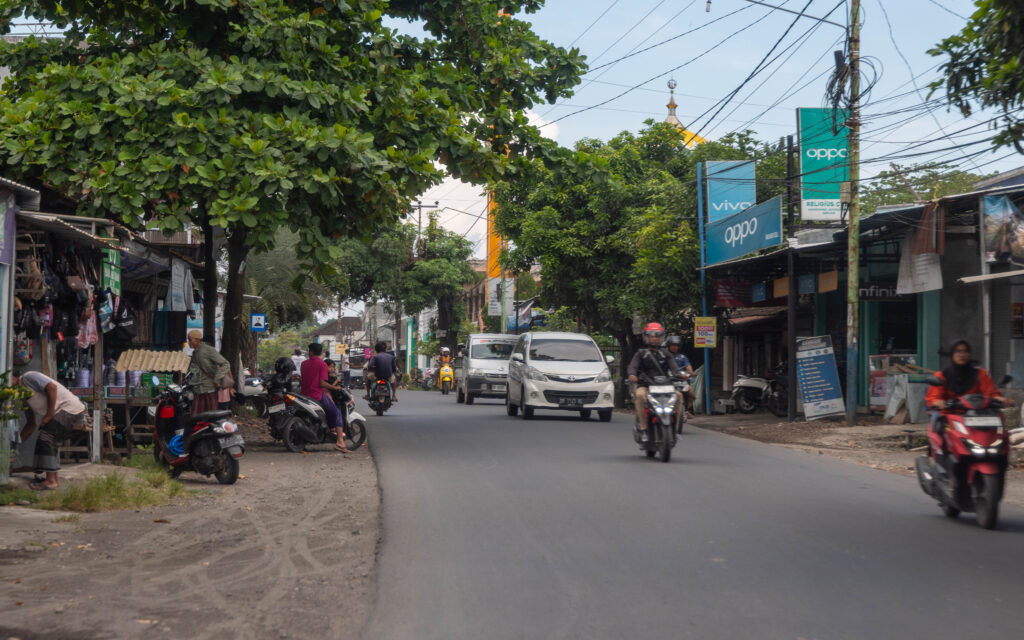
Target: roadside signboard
pixel 705 333
pixel 824 162
pixel 731 187
pixel 818 377
pixel 758 227
pixel 258 322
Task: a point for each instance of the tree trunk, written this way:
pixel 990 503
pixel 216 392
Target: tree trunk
pixel 209 281
pixel 231 343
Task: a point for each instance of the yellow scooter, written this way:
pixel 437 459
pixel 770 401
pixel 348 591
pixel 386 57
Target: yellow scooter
pixel 445 378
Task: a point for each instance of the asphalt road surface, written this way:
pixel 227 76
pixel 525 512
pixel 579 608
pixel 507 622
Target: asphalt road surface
pixel 497 527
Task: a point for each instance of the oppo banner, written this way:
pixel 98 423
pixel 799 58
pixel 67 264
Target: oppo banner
pixel 759 227
pixel 824 162
pixel 731 187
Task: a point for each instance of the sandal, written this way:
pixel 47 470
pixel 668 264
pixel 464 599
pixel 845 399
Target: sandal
pixel 341 448
pixel 39 486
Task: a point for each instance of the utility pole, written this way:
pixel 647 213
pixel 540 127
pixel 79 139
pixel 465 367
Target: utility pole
pixel 791 302
pixel 853 248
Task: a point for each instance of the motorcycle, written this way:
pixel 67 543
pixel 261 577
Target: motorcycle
pixel 207 443
pixel 750 393
pixel 253 397
pixel 300 421
pixel 380 396
pixel 682 385
pixel 445 378
pixel 968 453
pixel 662 413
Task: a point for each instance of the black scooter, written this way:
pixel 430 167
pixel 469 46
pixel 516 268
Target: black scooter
pixel 300 421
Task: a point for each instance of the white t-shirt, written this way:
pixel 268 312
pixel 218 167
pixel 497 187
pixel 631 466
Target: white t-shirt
pixel 298 360
pixel 345 366
pixel 66 401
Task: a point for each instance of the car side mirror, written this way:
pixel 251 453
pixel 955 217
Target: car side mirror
pixel 934 381
pixel 517 357
pixel 609 359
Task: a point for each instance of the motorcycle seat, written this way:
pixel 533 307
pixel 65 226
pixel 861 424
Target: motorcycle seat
pixel 210 416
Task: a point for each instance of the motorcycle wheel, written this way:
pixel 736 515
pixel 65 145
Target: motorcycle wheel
pixel 987 490
pixel 746 402
pixel 778 405
pixel 650 453
pixel 228 472
pixel 665 448
pixel 510 409
pixel 357 433
pixel 380 409
pixel 290 434
pixel 950 511
pixel 585 414
pixel 444 388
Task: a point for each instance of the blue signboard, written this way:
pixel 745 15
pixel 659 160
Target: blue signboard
pixel 758 227
pixel 807 283
pixel 818 377
pixel 258 322
pixel 759 292
pixel 731 187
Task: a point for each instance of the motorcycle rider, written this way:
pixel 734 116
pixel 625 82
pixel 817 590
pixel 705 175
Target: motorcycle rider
pixel 961 377
pixel 674 345
pixel 316 387
pixel 645 365
pixel 382 366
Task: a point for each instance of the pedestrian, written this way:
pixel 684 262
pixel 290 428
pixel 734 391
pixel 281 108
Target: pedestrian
pixel 298 359
pixel 346 371
pixel 57 410
pixel 212 370
pixel 314 382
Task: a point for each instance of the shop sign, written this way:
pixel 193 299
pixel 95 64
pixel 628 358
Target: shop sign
pixel 880 291
pixel 824 162
pixel 732 293
pixel 340 349
pixel 807 284
pixel 758 227
pixel 780 287
pixel 828 281
pixel 705 333
pixel 111 271
pixel 731 187
pixel 818 377
pixel 759 292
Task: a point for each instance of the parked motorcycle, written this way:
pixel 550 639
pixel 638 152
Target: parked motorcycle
pixel 207 443
pixel 380 396
pixel 253 397
pixel 968 452
pixel 300 421
pixel 662 412
pixel 445 378
pixel 750 393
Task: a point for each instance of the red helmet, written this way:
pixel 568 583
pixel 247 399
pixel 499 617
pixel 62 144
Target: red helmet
pixel 654 330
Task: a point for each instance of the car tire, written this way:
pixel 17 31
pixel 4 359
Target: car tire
pixel 469 398
pixel 459 396
pixel 526 410
pixel 604 415
pixel 510 409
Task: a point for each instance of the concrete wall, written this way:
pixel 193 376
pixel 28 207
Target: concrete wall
pixel 961 317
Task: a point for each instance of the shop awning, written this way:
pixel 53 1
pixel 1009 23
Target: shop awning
pixel 990 276
pixel 27 197
pixel 60 224
pixel 143 360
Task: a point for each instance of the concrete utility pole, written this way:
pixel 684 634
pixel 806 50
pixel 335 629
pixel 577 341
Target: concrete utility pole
pixel 853 248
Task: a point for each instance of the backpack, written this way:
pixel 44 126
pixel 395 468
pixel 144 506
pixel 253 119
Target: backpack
pixel 22 352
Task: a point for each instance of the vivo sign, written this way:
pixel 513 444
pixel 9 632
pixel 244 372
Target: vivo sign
pixel 730 187
pixel 755 228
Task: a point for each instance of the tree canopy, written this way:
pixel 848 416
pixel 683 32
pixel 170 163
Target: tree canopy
pixel 983 67
pixel 928 182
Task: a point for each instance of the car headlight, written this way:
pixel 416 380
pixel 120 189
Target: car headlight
pixel 604 376
pixel 534 374
pixel 476 372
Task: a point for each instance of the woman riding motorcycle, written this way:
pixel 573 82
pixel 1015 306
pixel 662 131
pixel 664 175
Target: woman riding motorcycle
pixel 961 377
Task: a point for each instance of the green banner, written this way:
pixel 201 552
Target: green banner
pixel 824 162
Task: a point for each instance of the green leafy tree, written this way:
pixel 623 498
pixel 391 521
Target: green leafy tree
pixel 910 184
pixel 262 115
pixel 982 66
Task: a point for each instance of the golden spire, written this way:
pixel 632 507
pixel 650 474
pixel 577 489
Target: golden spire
pixel 689 138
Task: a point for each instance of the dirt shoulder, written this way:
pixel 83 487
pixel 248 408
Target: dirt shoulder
pixel 287 552
pixel 870 443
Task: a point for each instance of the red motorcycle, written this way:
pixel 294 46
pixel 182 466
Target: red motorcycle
pixel 968 452
pixel 207 443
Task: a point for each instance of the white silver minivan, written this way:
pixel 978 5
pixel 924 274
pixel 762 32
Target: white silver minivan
pixel 481 370
pixel 559 371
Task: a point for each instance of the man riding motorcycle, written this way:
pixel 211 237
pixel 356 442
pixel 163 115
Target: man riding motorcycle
pixel 646 364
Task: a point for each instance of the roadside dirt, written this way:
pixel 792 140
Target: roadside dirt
pixel 287 552
pixel 870 443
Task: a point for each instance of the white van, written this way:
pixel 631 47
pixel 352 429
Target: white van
pixel 481 371
pixel 559 371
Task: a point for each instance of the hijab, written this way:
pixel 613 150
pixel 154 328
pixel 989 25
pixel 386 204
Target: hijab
pixel 960 377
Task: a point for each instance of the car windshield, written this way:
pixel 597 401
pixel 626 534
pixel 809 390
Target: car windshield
pixel 564 350
pixel 491 350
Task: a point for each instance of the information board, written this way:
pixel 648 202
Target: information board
pixel 818 377
pixel 704 333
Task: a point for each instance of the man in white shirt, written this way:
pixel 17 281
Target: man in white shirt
pixel 346 371
pixel 57 410
pixel 298 359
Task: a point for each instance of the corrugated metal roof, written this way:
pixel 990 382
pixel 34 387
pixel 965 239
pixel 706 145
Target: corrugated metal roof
pixel 30 197
pixel 143 360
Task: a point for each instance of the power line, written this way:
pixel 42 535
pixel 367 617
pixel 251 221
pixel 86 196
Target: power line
pixel 596 20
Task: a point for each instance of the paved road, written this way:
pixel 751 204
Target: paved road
pixel 496 527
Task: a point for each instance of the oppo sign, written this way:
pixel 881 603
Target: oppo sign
pixel 824 162
pixel 826 154
pixel 756 228
pixel 740 232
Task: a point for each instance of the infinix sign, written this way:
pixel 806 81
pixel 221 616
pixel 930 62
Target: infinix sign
pixel 824 163
pixel 730 187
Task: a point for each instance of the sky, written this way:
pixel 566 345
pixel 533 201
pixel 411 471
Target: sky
pixel 711 53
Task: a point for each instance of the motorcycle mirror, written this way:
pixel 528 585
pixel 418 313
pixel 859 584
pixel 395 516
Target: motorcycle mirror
pixel 156 381
pixel 1005 381
pixel 934 381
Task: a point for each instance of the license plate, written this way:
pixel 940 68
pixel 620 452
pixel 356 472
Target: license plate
pixel 231 441
pixel 498 387
pixel 662 388
pixel 570 402
pixel 274 408
pixel 983 421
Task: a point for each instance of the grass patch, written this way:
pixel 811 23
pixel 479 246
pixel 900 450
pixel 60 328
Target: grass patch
pixel 12 495
pixel 71 518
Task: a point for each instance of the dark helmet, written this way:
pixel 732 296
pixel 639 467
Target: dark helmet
pixel 284 366
pixel 654 330
pixel 673 340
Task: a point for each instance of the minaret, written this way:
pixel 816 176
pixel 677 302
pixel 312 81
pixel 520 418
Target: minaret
pixel 689 138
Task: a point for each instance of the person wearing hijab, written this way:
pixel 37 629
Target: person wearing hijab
pixel 961 377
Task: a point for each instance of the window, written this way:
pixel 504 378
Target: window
pixel 564 351
pixel 490 351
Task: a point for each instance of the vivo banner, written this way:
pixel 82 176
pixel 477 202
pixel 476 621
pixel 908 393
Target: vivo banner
pixel 731 187
pixel 824 162
pixel 759 227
